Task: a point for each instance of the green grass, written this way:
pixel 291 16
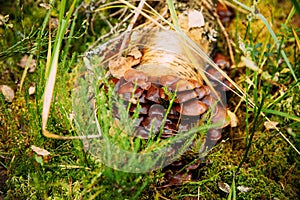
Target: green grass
pixel 249 155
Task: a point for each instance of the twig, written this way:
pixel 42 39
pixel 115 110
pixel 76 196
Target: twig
pixel 227 39
pixel 111 32
pixel 130 26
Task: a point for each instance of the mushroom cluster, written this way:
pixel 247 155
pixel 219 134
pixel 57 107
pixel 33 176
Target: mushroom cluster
pixel 168 105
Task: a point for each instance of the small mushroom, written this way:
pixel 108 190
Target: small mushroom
pixel 143 109
pixel 224 13
pixel 209 101
pixel 214 134
pixel 173 114
pixel 120 82
pixel 196 83
pixel 126 91
pixel 156 110
pixel 137 77
pixel 202 91
pixel 168 80
pixel 191 108
pixel 221 61
pixel 138 121
pixel 153 94
pixel 182 85
pixel 132 75
pixel 141 132
pixel 214 74
pixel 143 99
pixel 185 96
pixel 153 123
pixel 220 116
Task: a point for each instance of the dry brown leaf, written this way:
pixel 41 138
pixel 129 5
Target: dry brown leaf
pixel 233 119
pixel 31 90
pixel 23 63
pixel 270 125
pixel 249 63
pixel 39 151
pixel 196 19
pixel 120 65
pixel 135 53
pixel 243 188
pixel 7 92
pixel 224 187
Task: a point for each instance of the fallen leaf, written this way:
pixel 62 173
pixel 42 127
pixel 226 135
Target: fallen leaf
pixel 270 125
pixel 23 63
pixel 118 66
pixel 196 19
pixel 135 52
pixel 250 64
pixel 243 188
pixel 7 92
pixel 3 19
pixel 233 118
pixel 224 187
pixel 45 5
pixel 31 90
pixel 39 151
pixel 285 70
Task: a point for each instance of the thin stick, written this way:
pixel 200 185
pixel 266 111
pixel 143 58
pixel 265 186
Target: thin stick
pixel 227 39
pixel 133 21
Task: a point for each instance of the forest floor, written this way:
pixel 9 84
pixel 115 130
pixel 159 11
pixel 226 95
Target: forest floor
pixel 252 161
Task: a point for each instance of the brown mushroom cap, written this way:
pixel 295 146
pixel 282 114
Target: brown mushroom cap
pixel 221 61
pixel 191 108
pixel 153 94
pixel 173 114
pixel 182 85
pixel 141 132
pixel 126 91
pixel 202 91
pixel 220 116
pixel 132 75
pixel 143 99
pixel 185 96
pixel 126 88
pixel 168 80
pixel 156 110
pixel 153 123
pixel 137 77
pixel 169 129
pixel 120 82
pixel 214 134
pixel 214 74
pixel 143 108
pixel 209 101
pixel 138 121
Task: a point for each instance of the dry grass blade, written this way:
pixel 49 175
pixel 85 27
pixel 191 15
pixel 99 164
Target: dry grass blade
pixel 296 38
pixel 52 60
